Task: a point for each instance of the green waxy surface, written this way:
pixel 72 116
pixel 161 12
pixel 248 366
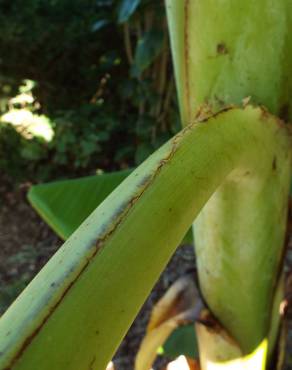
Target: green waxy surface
pixel 76 311
pixel 65 204
pixel 225 51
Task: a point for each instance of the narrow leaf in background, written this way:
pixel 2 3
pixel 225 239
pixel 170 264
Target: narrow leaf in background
pixel 64 205
pixel 100 24
pixel 127 8
pixel 148 48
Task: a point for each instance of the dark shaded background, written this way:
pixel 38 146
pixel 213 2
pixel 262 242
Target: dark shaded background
pixel 101 75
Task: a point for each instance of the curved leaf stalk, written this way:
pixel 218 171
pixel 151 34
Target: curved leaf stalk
pixel 75 312
pixel 226 53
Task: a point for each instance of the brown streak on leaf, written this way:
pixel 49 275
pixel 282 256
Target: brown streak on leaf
pixel 213 326
pixel 92 363
pixel 274 165
pixel 186 57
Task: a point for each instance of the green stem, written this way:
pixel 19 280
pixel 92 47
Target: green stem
pixel 239 239
pixel 75 312
pixel 225 51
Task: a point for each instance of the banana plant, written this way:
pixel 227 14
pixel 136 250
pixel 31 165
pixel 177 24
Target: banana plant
pixel 229 169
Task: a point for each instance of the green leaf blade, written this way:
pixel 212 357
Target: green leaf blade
pixel 64 205
pixel 127 8
pixel 148 48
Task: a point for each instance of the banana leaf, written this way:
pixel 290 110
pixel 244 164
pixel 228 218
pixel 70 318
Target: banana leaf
pixel 65 204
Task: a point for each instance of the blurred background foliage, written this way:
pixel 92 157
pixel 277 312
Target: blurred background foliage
pixel 84 85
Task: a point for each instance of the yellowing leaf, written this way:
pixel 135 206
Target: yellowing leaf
pixel 177 307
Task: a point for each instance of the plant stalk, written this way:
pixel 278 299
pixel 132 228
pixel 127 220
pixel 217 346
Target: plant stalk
pixel 78 308
pixel 226 53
